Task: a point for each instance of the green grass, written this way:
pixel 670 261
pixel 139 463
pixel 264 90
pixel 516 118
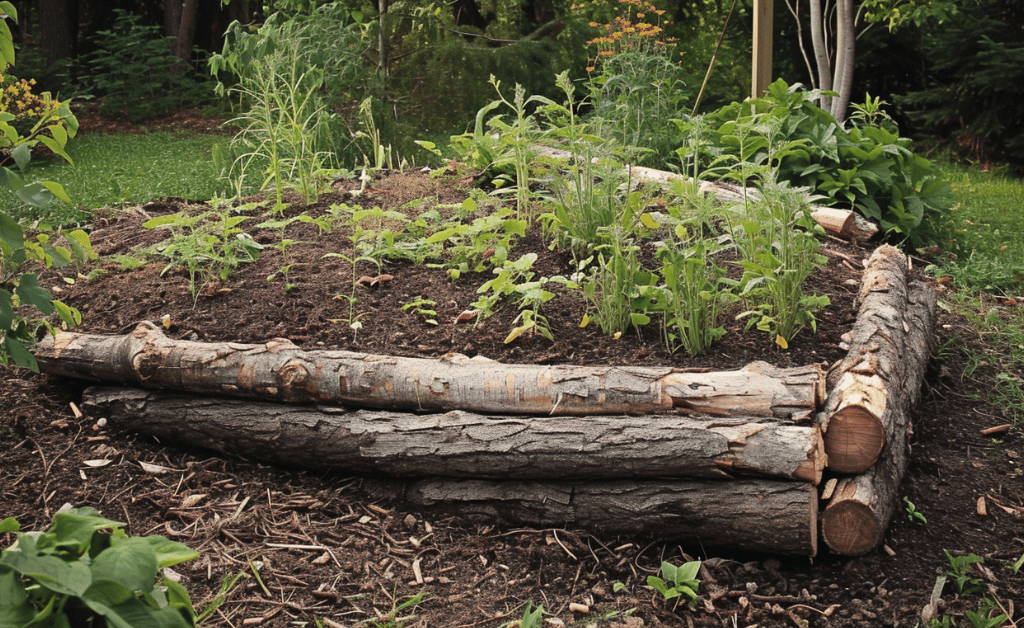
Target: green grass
pixel 123 169
pixel 984 230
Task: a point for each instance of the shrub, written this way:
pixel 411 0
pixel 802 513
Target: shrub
pixel 975 69
pixel 84 570
pixel 133 70
pixel 869 167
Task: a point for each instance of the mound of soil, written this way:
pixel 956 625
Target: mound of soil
pixel 324 553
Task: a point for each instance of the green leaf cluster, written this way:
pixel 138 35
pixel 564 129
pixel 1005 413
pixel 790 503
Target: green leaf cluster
pixel 677 583
pixel 53 129
pixel 84 568
pixel 869 168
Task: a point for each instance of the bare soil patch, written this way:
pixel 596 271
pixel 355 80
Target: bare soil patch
pixel 326 552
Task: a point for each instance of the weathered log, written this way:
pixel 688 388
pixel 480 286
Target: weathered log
pixel 756 515
pixel 281 371
pixel 841 223
pixel 862 506
pixel 876 365
pixel 461 444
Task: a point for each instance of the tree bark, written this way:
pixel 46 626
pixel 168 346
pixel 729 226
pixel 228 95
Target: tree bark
pixel 281 371
pixel 883 359
pixel 186 30
pixel 461 444
pixel 172 18
pixel 58 27
pixel 861 506
pixel 748 515
pixel 821 58
pixel 846 42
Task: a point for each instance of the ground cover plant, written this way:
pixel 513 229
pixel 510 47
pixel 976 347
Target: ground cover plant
pixel 422 264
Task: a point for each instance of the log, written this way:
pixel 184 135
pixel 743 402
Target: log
pixel 861 506
pixel 461 444
pixel 841 223
pixel 753 515
pixel 874 369
pixel 280 371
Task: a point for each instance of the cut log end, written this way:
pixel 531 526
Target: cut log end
pixel 854 440
pixel 849 528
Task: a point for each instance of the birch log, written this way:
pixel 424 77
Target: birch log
pixel 280 371
pixel 878 363
pixel 461 444
pixel 862 506
pixel 754 515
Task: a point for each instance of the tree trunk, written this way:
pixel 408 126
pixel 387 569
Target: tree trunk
pixel 862 506
pixel 749 515
pixel 186 30
pixel 884 358
pixel 172 18
pixel 460 444
pixel 846 42
pixel 281 371
pixel 58 27
pixel 382 41
pixel 821 59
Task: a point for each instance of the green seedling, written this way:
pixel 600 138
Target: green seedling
pixel 424 308
pixel 677 583
pixel 959 573
pixel 913 514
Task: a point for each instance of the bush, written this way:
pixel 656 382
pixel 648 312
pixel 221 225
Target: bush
pixel 869 167
pixel 133 70
pixel 975 69
pixel 85 571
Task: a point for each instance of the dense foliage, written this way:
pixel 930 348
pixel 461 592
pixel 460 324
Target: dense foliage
pixel 973 82
pixel 867 167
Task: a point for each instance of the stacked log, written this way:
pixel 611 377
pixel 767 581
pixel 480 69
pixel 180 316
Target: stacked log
pixel 731 458
pixel 867 424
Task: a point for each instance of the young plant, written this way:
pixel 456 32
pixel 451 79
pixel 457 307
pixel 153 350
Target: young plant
pixel 424 308
pixel 281 127
pixel 696 291
pixel 959 573
pixel 52 129
pixel 913 514
pixel 209 246
pixel 84 570
pixel 677 583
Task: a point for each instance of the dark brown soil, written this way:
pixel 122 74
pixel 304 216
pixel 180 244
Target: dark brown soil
pixel 325 553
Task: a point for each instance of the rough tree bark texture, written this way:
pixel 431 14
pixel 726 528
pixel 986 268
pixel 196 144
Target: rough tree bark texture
pixel 756 515
pixel 461 444
pixel 861 506
pixel 879 364
pixel 281 371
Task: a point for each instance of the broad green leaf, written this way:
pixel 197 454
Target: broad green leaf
pixel 71 316
pixel 55 146
pixel 51 572
pixel 10 524
pixel 34 194
pixel 20 355
pixel 169 552
pixel 129 561
pixel 57 190
pixel 22 155
pixel 160 221
pixel 31 293
pixel 75 527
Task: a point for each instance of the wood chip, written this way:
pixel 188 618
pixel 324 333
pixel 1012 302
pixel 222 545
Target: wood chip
pixel 579 608
pixel 416 572
pixel 996 429
pixel 74 410
pixel 830 488
pixel 982 508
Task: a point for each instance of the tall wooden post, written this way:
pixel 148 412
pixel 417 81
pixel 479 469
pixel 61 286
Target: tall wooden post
pixel 762 74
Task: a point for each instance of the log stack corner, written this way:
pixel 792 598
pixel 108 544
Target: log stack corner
pixel 734 458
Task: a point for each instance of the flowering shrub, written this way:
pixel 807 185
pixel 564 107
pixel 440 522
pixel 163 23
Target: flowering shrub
pixel 636 84
pixel 27 107
pixel 640 28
